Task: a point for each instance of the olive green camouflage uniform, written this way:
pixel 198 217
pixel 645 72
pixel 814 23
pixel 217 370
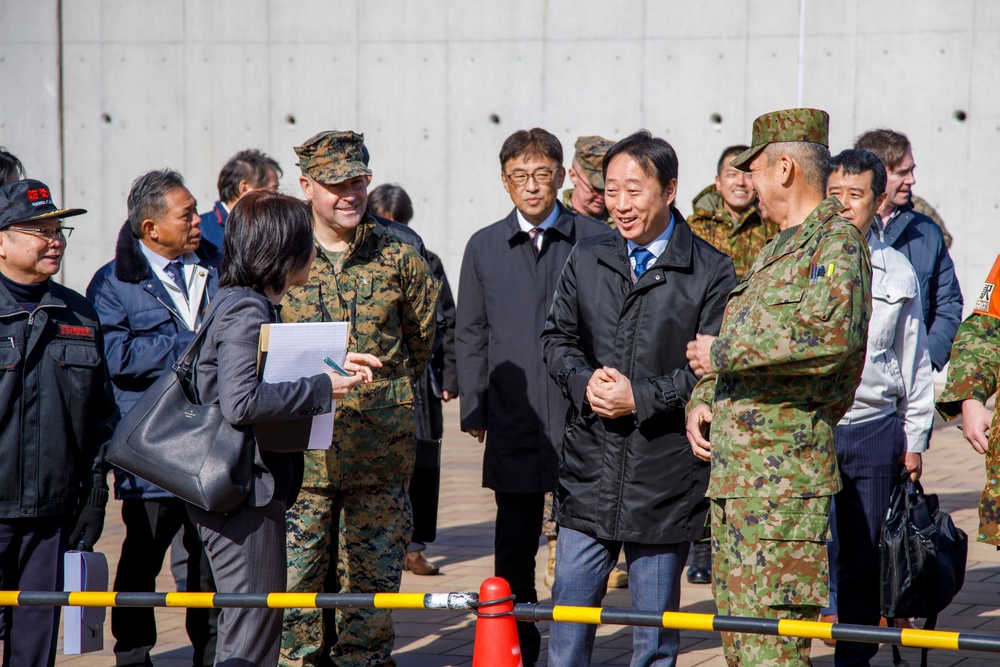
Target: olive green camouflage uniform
pixel 974 372
pixel 353 513
pixel 920 205
pixel 741 239
pixel 785 367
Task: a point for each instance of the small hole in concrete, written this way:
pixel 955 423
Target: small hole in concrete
pixel 495 119
pixel 290 119
pixel 716 119
pixel 105 118
pixel 960 115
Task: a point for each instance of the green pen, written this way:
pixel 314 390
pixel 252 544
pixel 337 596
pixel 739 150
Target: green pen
pixel 335 366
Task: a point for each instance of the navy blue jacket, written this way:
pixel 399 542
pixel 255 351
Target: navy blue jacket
pixel 143 333
pixel 916 236
pixel 213 226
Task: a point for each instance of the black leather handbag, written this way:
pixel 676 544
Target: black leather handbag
pixel 189 449
pixel 923 556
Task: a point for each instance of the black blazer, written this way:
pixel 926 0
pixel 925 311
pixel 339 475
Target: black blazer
pixel 226 374
pixel 634 478
pixel 504 294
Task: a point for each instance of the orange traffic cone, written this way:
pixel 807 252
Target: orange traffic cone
pixel 496 631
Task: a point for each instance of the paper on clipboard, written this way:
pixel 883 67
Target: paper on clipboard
pixel 292 351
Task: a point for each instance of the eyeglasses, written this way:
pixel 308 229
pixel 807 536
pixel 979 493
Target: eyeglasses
pixel 48 233
pixel 539 176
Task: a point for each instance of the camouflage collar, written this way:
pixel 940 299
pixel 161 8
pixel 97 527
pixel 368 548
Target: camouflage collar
pixel 813 223
pixel 368 228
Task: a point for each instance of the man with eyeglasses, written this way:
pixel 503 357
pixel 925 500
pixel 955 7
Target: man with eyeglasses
pixel 509 274
pixel 57 409
pixel 151 299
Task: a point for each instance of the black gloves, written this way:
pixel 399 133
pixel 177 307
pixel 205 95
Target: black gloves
pixel 89 521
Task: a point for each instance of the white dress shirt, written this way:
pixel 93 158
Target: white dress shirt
pixel 655 247
pixel 542 226
pixel 897 375
pixel 195 276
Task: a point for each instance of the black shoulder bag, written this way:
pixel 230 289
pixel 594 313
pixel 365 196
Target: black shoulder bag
pixel 190 450
pixel 922 555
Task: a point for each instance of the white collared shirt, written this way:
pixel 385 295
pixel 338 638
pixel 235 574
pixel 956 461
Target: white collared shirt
pixel 897 374
pixel 195 276
pixel 656 246
pixel 543 225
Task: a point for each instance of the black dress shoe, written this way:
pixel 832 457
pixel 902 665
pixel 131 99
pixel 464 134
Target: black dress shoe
pixel 699 575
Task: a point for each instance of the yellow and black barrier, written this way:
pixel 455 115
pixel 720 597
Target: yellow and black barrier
pixel 910 637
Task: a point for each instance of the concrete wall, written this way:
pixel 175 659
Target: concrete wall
pixel 436 85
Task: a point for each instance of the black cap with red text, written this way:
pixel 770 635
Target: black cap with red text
pixel 29 200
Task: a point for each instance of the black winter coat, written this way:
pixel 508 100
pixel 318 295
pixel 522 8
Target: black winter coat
pixel 634 478
pixel 504 295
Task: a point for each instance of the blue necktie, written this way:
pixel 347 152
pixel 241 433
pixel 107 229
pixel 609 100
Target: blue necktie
pixel 176 271
pixel 641 257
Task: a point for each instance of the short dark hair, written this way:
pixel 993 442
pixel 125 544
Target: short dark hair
pixel 856 161
pixel 11 168
pixel 731 150
pixel 656 157
pixel 147 198
pixel 268 236
pixel 389 200
pixel 535 142
pixel 890 146
pixel 250 165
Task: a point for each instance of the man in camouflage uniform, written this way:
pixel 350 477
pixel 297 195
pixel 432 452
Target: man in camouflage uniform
pixel 973 376
pixel 353 513
pixel 781 373
pixel 725 214
pixel 586 197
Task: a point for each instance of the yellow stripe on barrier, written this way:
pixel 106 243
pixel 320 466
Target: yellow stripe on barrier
pixel 194 600
pixel 576 614
pixel 291 600
pixel 91 599
pixel 399 600
pixel 812 629
pixel 8 598
pixel 929 639
pixel 687 621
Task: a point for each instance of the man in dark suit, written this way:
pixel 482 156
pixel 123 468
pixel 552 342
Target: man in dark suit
pixel 244 172
pixel 151 299
pixel 509 274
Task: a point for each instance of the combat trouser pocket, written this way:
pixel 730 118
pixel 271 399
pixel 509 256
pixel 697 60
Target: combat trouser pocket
pixel 791 565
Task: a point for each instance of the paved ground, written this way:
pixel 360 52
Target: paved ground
pixel 464 552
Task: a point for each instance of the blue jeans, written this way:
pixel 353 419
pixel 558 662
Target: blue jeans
pixel 583 564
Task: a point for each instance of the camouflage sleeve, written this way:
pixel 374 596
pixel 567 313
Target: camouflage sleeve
pixel 703 394
pixel 809 329
pixel 419 308
pixel 974 365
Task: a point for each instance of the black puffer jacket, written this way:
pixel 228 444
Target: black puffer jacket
pixel 634 478
pixel 56 405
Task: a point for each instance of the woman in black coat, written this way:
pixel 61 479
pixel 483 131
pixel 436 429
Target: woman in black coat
pixel 268 248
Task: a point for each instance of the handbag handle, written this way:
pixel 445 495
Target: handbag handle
pixel 182 367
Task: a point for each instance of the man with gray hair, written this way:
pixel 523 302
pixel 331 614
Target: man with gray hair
pixel 151 300
pixel 781 373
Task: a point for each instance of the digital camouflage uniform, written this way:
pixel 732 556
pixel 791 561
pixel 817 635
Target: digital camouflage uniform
pixel 974 372
pixel 785 368
pixel 741 239
pixel 589 156
pixel 353 513
pixel 920 205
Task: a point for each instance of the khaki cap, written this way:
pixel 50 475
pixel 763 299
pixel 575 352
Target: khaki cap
pixel 811 125
pixel 590 152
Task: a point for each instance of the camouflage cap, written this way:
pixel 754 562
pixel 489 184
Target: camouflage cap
pixel 811 125
pixel 333 157
pixel 589 155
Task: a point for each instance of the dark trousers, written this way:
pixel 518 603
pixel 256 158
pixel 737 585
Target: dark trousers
pixel 150 526
pixel 31 560
pixel 868 457
pixel 515 542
